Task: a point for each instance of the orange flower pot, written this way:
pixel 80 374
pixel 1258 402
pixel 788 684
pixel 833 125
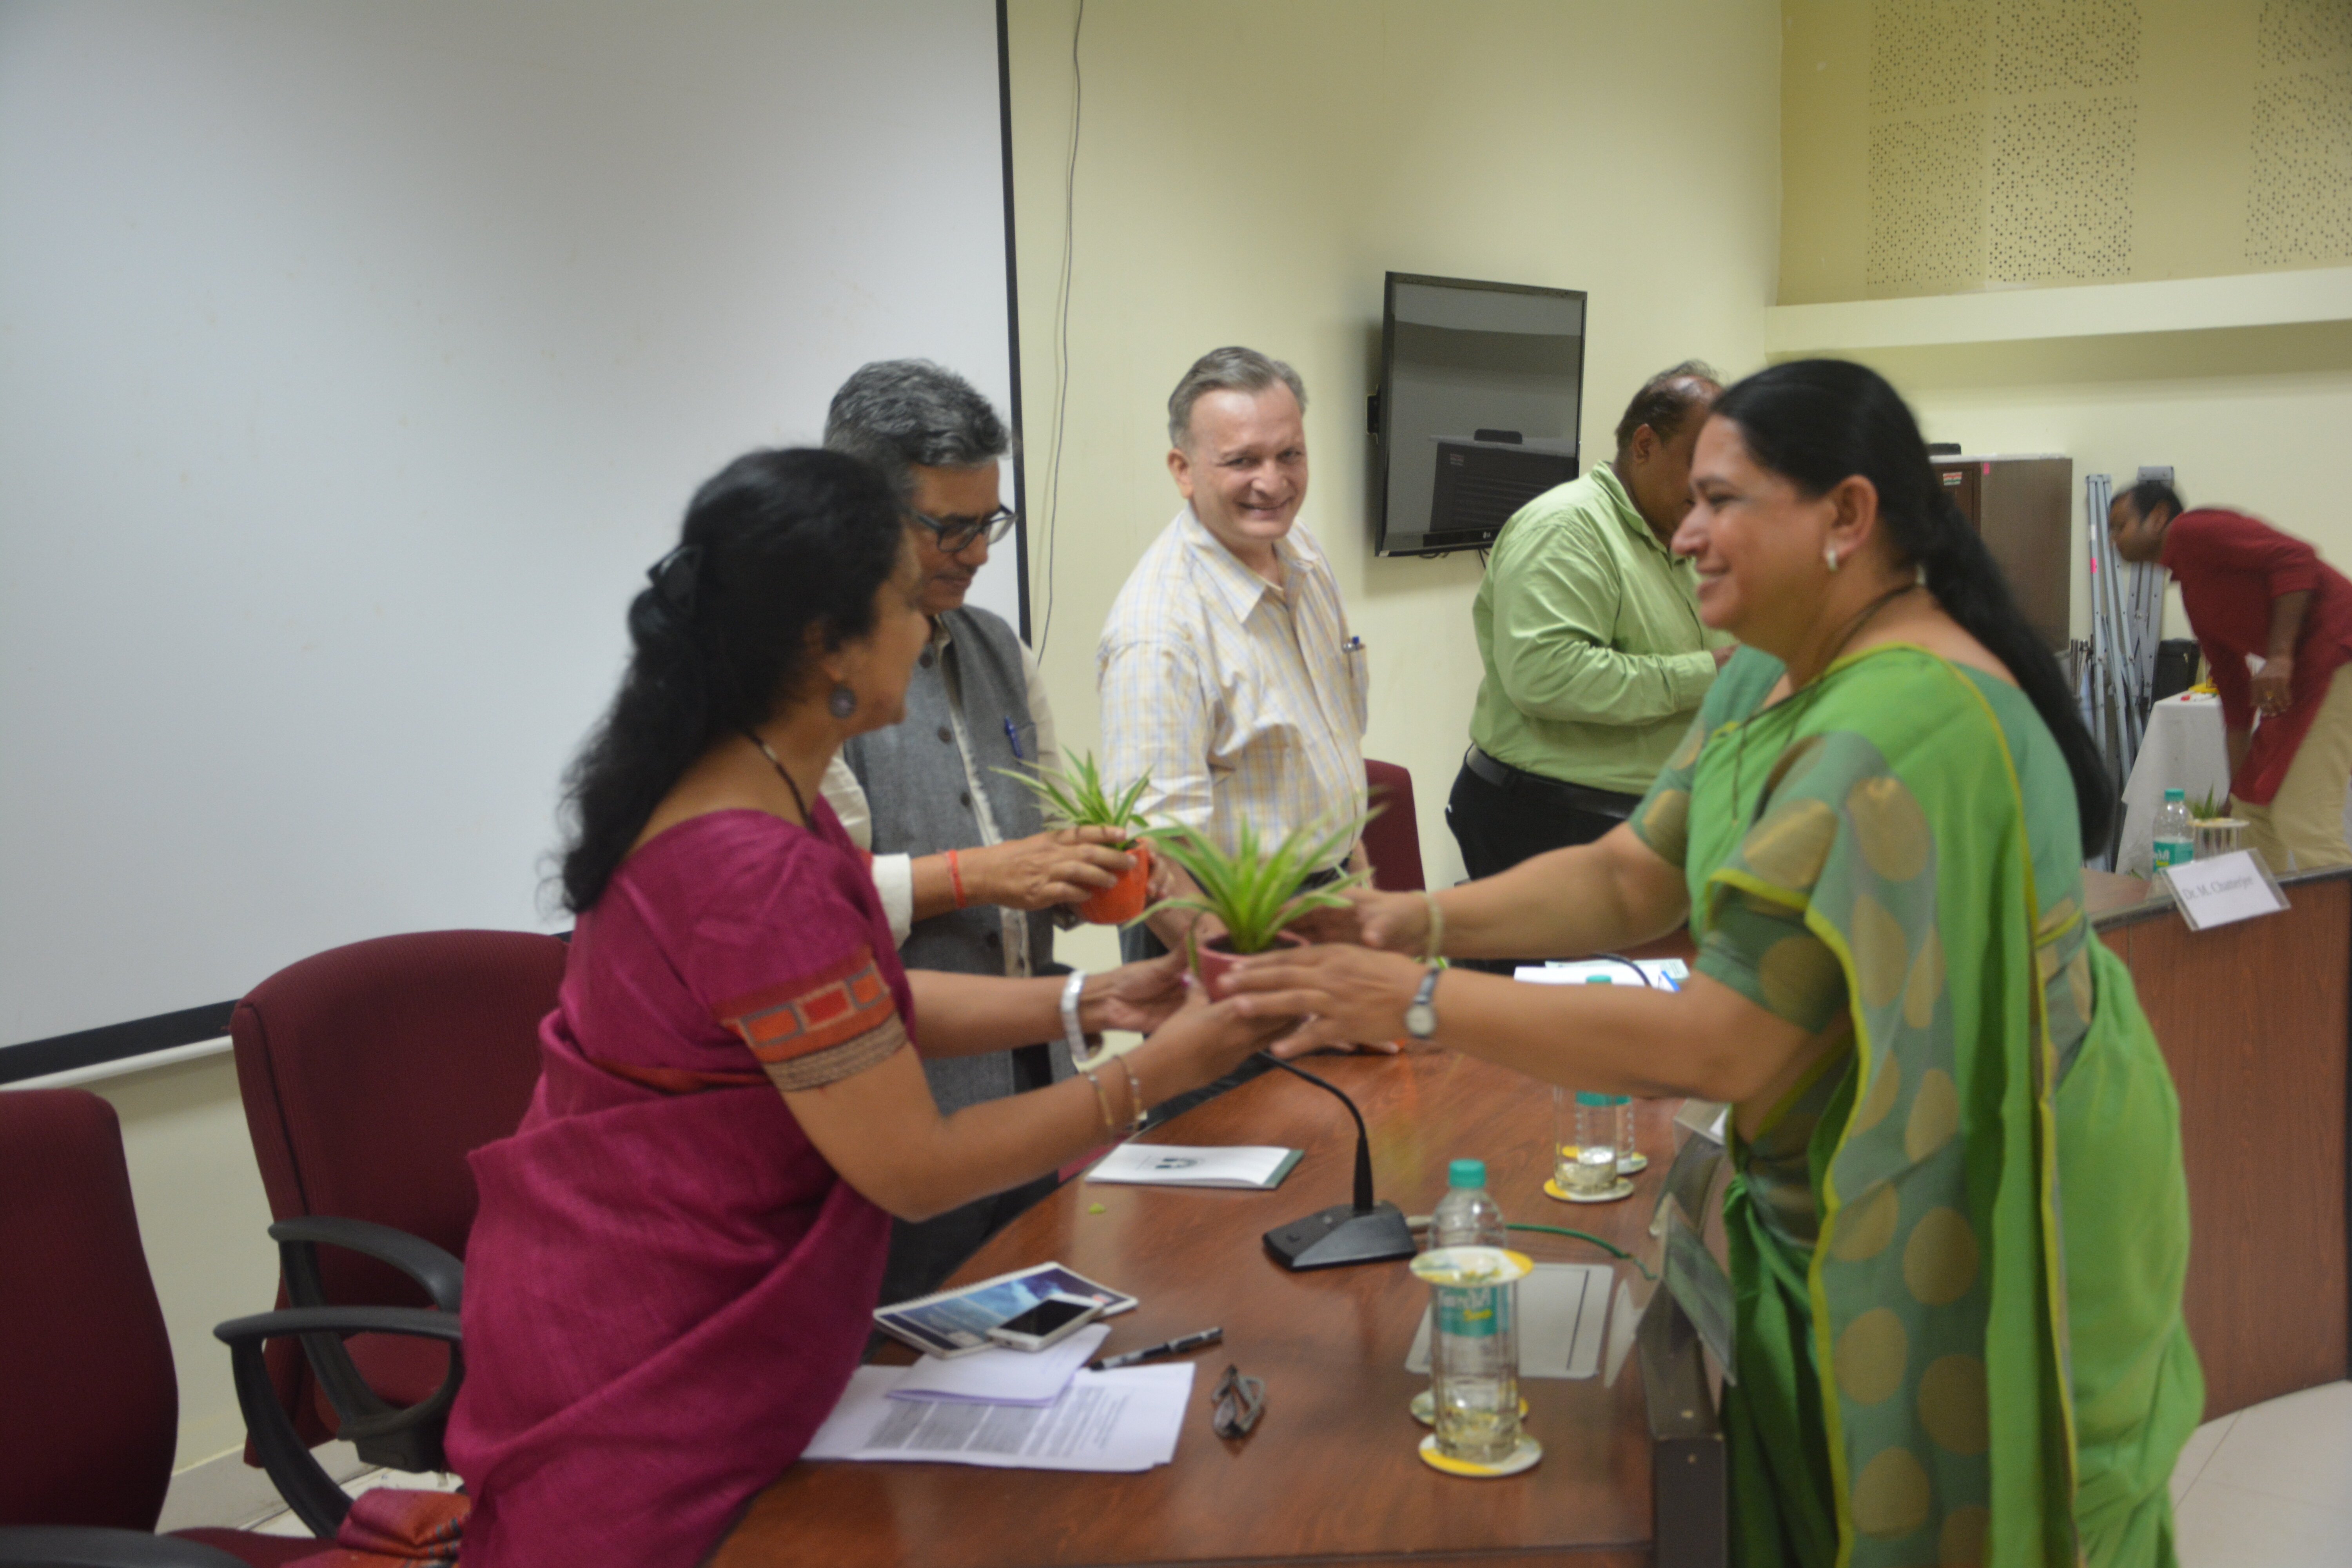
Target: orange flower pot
pixel 1124 900
pixel 1214 960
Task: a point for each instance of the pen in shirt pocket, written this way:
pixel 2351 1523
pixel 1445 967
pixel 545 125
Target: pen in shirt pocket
pixel 1353 644
pixel 1012 738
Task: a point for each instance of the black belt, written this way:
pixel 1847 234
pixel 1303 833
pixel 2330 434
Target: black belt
pixel 1503 777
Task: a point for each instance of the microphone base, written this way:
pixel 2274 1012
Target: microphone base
pixel 1341 1235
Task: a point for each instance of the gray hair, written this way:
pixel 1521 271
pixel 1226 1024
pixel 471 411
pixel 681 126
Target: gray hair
pixel 1226 370
pixel 898 413
pixel 1668 398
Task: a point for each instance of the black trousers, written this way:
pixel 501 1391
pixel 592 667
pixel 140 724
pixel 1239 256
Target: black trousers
pixel 1498 825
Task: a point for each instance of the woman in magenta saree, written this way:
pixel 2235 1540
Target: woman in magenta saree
pixel 677 1253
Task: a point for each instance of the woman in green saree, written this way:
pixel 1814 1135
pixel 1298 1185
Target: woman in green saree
pixel 1958 1227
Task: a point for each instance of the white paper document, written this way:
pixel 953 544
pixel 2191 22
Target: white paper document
pixel 1563 1311
pixel 1003 1376
pixel 1182 1165
pixel 1127 1419
pixel 2225 888
pixel 1659 973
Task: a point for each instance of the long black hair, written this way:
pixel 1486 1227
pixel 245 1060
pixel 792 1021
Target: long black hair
pixel 777 544
pixel 1817 422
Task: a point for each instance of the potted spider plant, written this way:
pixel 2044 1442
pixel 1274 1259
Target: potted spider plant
pixel 1253 892
pixel 2217 832
pixel 1075 796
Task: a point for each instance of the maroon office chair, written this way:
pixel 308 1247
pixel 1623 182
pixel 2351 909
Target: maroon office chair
pixel 86 1374
pixel 1392 838
pixel 368 1073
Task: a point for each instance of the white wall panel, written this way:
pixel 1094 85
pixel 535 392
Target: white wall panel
pixel 354 362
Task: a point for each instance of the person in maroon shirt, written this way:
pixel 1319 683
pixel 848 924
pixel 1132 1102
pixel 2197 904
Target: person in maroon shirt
pixel 2251 590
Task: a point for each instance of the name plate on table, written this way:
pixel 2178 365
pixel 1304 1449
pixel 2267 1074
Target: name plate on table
pixel 2224 889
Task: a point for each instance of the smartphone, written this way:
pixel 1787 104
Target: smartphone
pixel 1051 1320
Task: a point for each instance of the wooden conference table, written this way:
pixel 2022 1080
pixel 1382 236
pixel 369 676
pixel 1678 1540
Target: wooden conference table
pixel 1330 1475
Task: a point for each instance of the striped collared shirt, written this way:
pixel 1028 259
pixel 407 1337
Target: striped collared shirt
pixel 1240 699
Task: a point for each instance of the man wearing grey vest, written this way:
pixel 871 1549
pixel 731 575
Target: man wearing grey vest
pixel 966 871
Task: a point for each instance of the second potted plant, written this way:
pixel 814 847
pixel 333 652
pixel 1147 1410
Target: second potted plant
pixel 1075 796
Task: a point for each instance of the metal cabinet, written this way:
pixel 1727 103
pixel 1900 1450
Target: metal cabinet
pixel 2024 509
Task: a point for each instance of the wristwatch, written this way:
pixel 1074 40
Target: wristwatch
pixel 1420 1014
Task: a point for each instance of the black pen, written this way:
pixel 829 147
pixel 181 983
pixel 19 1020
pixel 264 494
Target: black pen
pixel 1174 1347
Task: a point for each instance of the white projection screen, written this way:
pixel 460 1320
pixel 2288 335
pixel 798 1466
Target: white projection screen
pixel 355 361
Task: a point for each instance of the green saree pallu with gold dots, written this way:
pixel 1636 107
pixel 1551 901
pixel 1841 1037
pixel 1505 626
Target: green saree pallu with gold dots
pixel 1956 1244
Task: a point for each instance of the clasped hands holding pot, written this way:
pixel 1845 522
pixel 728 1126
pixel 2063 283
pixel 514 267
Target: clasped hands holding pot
pixel 1351 985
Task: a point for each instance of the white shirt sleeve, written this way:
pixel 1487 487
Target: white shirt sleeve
pixel 848 798
pixel 894 874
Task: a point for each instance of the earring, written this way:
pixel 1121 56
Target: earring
pixel 1829 556
pixel 842 703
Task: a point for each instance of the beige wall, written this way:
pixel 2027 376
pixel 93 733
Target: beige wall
pixel 2168 139
pixel 1247 172
pixel 1935 146
pixel 2252 417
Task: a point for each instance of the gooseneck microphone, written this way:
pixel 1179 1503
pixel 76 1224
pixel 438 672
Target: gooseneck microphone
pixel 1361 1231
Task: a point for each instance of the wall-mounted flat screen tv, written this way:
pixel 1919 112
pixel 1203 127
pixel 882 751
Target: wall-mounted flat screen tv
pixel 1481 388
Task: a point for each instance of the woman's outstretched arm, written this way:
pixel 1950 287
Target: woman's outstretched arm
pixel 1589 898
pixel 1705 1040
pixel 883 1132
pixel 969 1014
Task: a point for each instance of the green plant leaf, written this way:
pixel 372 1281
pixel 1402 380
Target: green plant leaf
pixel 1075 796
pixel 1254 891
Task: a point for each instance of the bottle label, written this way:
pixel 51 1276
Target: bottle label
pixel 2174 851
pixel 1476 1311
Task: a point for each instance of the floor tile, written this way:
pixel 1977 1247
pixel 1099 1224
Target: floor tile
pixel 2196 1452
pixel 2297 1448
pixel 2223 1526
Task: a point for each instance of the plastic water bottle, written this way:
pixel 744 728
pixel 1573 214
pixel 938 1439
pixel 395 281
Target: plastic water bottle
pixel 1474 1341
pixel 1467 1216
pixel 2175 840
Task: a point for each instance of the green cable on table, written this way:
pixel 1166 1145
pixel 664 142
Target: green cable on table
pixel 1608 1246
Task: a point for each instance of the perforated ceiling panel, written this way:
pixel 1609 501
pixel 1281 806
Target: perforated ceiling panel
pixel 2299 206
pixel 2302 32
pixel 2300 209
pixel 2061 195
pixel 2046 46
pixel 1927 201
pixel 2003 140
pixel 1927 55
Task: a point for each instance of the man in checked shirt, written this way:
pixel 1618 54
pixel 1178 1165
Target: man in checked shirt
pixel 1226 670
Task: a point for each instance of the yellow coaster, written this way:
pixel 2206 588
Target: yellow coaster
pixel 1523 1457
pixel 1623 1189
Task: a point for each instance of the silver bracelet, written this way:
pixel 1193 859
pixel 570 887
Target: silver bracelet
pixel 1071 1031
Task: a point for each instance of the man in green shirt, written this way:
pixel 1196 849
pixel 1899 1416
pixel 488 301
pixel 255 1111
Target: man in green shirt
pixel 1588 628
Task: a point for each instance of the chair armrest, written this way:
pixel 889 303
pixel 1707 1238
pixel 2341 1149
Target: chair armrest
pixel 382 1434
pixel 442 1275
pixel 298 1477
pixel 87 1546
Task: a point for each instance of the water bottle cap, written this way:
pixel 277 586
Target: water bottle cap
pixel 2176 794
pixel 1587 1097
pixel 1599 980
pixel 1621 1099
pixel 1466 1173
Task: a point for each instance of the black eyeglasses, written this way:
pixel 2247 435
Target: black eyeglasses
pixel 1236 1403
pixel 956 533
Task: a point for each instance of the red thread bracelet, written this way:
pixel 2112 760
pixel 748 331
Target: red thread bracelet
pixel 955 880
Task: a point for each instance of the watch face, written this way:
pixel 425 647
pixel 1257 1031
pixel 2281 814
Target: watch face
pixel 1421 1020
